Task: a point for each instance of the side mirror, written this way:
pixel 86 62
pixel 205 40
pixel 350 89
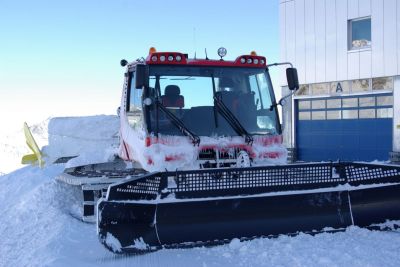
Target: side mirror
pixel 292 79
pixel 141 76
pixel 123 62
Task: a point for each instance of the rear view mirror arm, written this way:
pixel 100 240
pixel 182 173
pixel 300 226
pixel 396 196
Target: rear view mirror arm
pixel 279 64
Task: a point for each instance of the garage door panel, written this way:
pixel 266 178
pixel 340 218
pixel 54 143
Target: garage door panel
pixel 351 138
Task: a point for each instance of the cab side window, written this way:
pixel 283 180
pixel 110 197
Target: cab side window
pixel 135 104
pixel 135 101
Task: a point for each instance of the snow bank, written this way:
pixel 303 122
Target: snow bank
pixel 93 139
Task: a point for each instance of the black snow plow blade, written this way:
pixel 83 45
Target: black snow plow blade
pixel 208 207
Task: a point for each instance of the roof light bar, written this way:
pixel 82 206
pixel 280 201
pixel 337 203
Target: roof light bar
pixel 176 58
pixel 166 58
pixel 251 60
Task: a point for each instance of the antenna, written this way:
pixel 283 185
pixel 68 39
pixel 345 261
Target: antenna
pixel 205 50
pixel 194 41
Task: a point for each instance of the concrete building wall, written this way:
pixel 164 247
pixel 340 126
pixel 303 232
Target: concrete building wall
pixel 314 37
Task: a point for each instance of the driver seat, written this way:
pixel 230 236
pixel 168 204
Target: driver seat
pixel 172 97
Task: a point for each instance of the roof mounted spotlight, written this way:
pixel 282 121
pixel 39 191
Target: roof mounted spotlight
pixel 222 52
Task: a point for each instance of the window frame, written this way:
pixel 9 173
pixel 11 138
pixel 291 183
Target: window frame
pixel 350 34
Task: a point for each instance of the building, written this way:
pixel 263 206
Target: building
pixel 347 53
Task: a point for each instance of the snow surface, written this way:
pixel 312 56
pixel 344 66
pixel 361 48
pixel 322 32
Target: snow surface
pixel 39 227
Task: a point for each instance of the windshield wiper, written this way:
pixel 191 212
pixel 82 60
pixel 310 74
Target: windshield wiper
pixel 178 124
pixel 230 118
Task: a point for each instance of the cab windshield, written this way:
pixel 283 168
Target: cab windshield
pixel 188 92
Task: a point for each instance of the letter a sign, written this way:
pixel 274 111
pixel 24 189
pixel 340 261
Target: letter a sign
pixel 339 88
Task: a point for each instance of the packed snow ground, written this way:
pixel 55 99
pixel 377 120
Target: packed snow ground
pixel 38 227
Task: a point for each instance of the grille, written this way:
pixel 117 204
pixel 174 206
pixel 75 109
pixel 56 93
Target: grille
pixel 247 181
pixel 215 154
pixel 361 173
pixel 144 188
pixel 252 180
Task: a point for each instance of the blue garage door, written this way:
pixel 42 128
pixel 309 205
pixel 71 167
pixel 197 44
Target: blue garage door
pixel 344 128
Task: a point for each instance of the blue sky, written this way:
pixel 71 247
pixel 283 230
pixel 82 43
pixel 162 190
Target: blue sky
pixel 60 58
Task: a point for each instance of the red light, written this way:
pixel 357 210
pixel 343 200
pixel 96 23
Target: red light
pixel 147 141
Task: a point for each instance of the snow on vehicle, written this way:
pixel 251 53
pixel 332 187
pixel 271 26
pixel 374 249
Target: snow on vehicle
pixel 202 162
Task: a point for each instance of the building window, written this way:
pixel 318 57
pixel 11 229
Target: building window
pixel 367 101
pixel 303 104
pixel 333 103
pixel 367 113
pixel 318 115
pixel 350 114
pixel 385 83
pixel 359 33
pixel 318 104
pixel 303 90
pixel 304 116
pixel 358 86
pixel 350 102
pixel 319 89
pixel 384 100
pixel 333 114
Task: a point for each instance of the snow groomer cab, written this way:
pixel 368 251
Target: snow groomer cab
pixel 181 113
